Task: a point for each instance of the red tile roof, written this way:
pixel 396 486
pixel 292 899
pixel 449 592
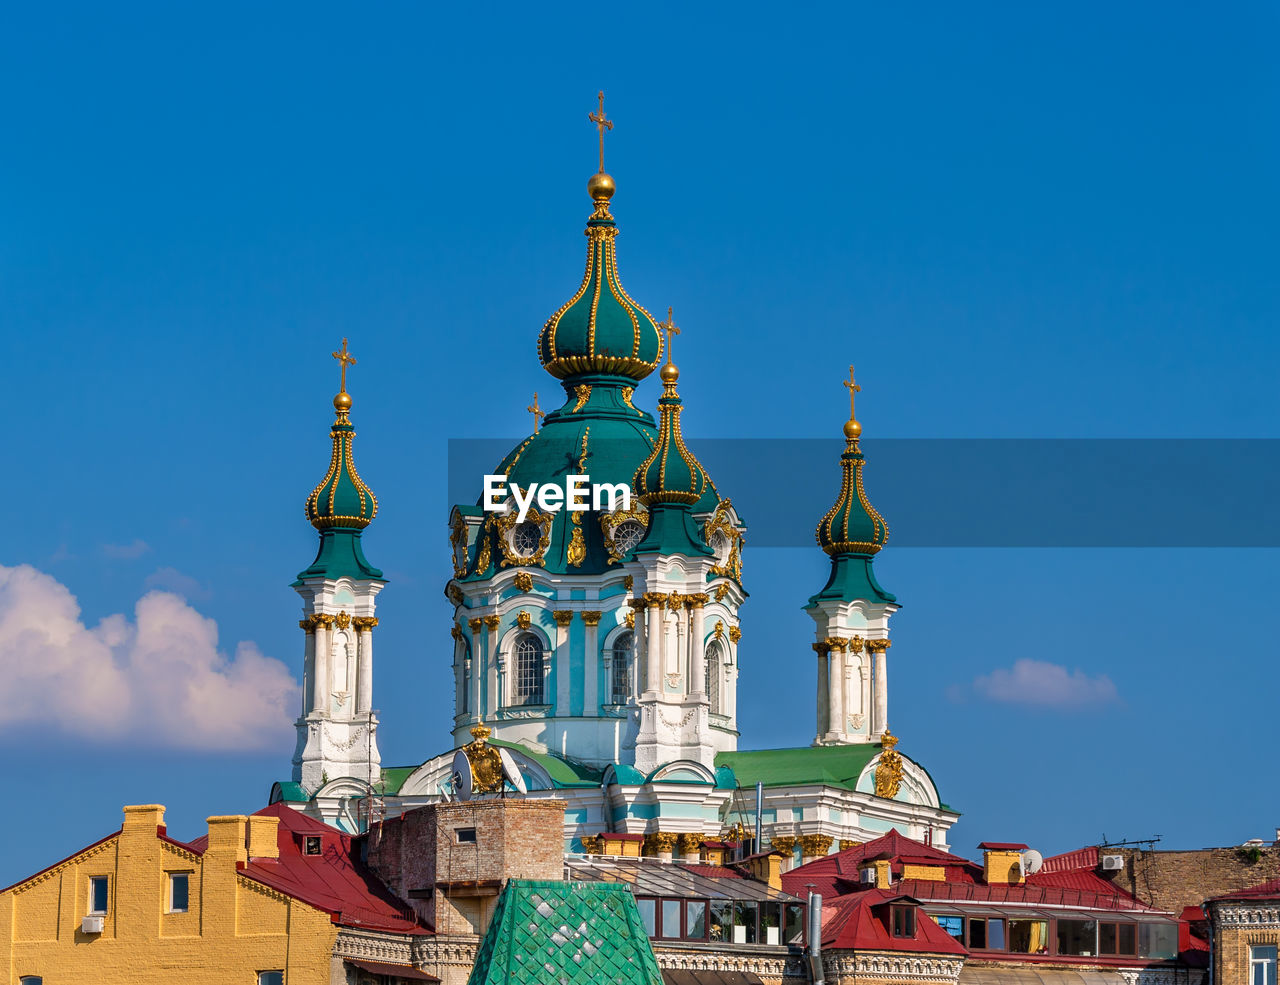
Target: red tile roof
pixel 1002 846
pixel 837 874
pixel 335 881
pixel 1081 858
pixel 858 921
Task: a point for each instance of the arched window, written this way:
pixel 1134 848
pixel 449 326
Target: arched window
pixel 529 665
pixel 715 674
pixel 620 679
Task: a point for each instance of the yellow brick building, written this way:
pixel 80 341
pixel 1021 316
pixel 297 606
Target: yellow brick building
pixel 1246 935
pixel 138 907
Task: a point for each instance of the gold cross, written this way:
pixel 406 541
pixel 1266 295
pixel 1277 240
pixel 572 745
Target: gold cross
pixel 347 359
pixel 602 125
pixel 537 413
pixel 669 327
pixel 853 388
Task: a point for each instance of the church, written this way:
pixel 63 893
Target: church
pixel 598 649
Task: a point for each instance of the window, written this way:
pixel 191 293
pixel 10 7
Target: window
pixel 1029 936
pixel 311 846
pixel 770 921
pixel 529 671
pixel 1158 940
pixel 271 978
pixel 793 929
pixel 978 933
pixel 995 933
pixel 626 536
pixel 526 538
pixel 466 836
pixel 671 918
pixel 1262 964
pixel 30 980
pixel 98 894
pixel 179 886
pixel 620 669
pixel 695 919
pixel 721 920
pixel 951 923
pixel 744 921
pixel 1077 937
pixel 1117 938
pixel 715 673
pixel 904 921
pixel 648 915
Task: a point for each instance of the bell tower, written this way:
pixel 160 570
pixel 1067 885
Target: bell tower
pixel 337 732
pixel 852 611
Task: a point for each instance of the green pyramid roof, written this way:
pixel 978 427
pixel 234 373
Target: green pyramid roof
pixel 563 933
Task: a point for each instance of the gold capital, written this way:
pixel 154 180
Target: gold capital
pixel 876 646
pixel 783 843
pixel 815 845
pixel 491 622
pixel 364 624
pixel 591 618
pixel 698 600
pixel 655 598
pixel 475 624
pixel 563 616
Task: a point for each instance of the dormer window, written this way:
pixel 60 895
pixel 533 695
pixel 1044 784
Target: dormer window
pixel 904 921
pixel 311 845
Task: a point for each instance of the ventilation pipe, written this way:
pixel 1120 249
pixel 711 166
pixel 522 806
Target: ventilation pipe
pixel 758 847
pixel 815 938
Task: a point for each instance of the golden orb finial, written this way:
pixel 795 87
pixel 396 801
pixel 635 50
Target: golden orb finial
pixel 601 187
pixel 342 402
pixel 852 429
pixel 669 373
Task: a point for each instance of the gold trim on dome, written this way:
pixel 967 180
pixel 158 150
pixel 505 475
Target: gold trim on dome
pixel 583 393
pixel 485 556
pixel 458 538
pixel 341 459
pixel 627 391
pixel 719 522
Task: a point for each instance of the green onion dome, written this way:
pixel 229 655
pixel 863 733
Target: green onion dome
pixel 342 499
pixel 600 330
pixel 852 525
pixel 670 474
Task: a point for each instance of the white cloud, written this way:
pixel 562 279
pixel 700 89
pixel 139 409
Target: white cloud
pixel 126 552
pixel 1045 685
pixel 159 679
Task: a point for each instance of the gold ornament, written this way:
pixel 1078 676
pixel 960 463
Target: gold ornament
pixel 631 619
pixel 735 633
pixel 475 624
pixel 628 582
pixel 576 552
pixel 563 616
pixel 688 842
pixel 590 844
pixel 583 392
pixel 591 618
pixel 486 764
pixel 783 843
pixel 491 622
pixel 343 620
pixel 889 768
pixel 458 539
pixel 364 624
pixel 721 591
pixel 523 619
pixel 847 843
pixel 878 646
pixel 524 581
pixel 812 846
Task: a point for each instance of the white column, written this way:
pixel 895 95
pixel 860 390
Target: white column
pixel 320 699
pixel 882 687
pixel 477 668
pixel 308 666
pixel 835 686
pixel 563 680
pixel 496 668
pixel 678 663
pixel 591 678
pixel 364 686
pixel 865 686
pixel 697 647
pixel 824 686
pixel 653 647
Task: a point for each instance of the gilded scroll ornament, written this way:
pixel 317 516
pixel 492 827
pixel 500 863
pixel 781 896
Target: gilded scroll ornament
pixel 453 593
pixel 627 391
pixel 458 545
pixel 482 562
pixel 721 591
pixel 628 582
pixel 455 632
pixel 719 629
pixel 486 764
pixel 735 634
pixel 523 619
pixel 342 620
pixel 524 581
pixel 610 522
pixel 576 552
pixel 631 619
pixel 583 392
pixel 889 768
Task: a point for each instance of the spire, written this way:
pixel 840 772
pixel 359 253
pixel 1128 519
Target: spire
pixel 600 331
pixel 853 530
pixel 670 481
pixel 341 505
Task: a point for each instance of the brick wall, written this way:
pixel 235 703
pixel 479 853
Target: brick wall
pixel 453 883
pixel 1171 880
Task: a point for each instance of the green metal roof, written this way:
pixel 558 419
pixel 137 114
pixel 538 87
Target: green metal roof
pixel 852 578
pixel 833 766
pixel 341 555
pixel 393 778
pixel 563 772
pixel 565 933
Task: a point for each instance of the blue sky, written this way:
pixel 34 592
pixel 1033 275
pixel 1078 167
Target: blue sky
pixel 1018 221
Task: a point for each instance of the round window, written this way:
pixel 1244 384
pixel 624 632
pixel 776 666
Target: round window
pixel 526 538
pixel 626 536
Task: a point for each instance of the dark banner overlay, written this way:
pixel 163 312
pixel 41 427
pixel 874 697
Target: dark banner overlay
pixel 984 493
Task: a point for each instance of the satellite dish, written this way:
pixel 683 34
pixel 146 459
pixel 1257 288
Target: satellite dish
pixel 511 771
pixel 1032 861
pixel 461 775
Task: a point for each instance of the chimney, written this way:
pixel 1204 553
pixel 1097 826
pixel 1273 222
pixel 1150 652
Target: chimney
pixel 1002 863
pixel 767 868
pixel 884 874
pixel 145 816
pixel 226 837
pixel 262 842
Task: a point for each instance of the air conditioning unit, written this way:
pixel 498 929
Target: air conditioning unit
pixel 867 875
pixel 92 925
pixel 1112 863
